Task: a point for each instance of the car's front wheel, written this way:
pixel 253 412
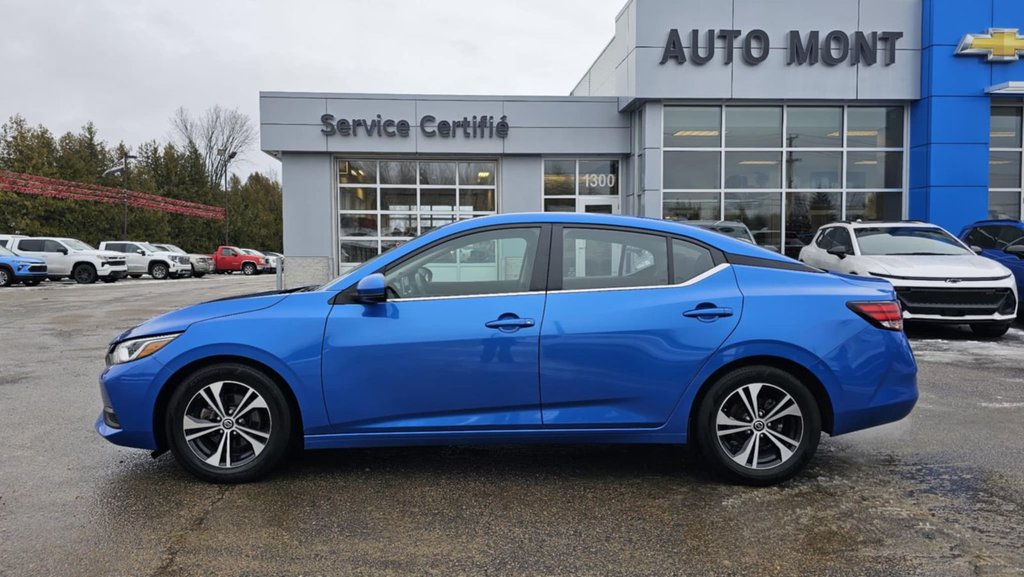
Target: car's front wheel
pixel 158 271
pixel 248 269
pixel 758 425
pixel 228 423
pixel 84 273
pixel 990 331
pixel 6 278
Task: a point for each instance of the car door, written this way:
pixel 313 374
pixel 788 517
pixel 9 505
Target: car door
pixel 454 347
pixel 627 327
pixel 137 263
pixel 228 259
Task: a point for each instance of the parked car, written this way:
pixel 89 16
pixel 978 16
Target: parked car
pixel 645 331
pixel 231 259
pixel 1001 241
pixel 271 261
pixel 938 279
pixel 144 258
pixel 23 269
pixel 728 228
pixel 69 257
pixel 7 240
pixel 201 263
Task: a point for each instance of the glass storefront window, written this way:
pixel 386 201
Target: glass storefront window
pixel 693 127
pixel 567 180
pixel 1004 169
pixel 1004 205
pixel 874 127
pixel 599 177
pixel 806 212
pixel 692 170
pixel 384 203
pixel 874 170
pixel 785 170
pixel 760 211
pixel 1006 127
pixel 753 170
pixel 815 170
pixel 753 127
pixel 874 205
pixel 692 206
pixel 814 127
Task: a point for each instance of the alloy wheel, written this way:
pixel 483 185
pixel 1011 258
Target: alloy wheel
pixel 5 278
pixel 227 424
pixel 759 426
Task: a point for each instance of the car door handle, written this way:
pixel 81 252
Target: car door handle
pixel 509 324
pixel 708 314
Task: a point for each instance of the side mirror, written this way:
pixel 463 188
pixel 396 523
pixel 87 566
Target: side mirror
pixel 372 289
pixel 142 252
pixel 1016 250
pixel 976 249
pixel 63 251
pixel 838 251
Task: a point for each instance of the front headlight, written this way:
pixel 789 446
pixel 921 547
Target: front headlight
pixel 136 349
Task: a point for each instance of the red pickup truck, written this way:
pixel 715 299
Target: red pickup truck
pixel 230 259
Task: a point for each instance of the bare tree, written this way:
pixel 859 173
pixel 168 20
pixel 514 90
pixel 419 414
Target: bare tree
pixel 217 134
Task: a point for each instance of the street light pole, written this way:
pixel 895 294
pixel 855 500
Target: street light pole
pixel 226 158
pixel 123 169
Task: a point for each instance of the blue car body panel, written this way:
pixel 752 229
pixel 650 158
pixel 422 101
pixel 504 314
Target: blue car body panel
pixel 19 267
pixel 608 366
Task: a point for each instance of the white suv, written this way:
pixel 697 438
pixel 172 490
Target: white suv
pixel 144 258
pixel 68 257
pixel 937 278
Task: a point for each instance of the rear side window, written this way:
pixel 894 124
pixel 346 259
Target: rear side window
pixel 602 258
pixel 689 260
pixel 31 245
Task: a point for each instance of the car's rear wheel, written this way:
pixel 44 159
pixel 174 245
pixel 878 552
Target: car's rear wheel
pixel 84 274
pixel 992 331
pixel 229 423
pixel 758 425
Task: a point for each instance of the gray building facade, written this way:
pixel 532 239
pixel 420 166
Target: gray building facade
pixel 784 114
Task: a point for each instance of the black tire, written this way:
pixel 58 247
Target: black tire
pixel 804 428
pixel 33 282
pixel 135 275
pixel 84 273
pixel 990 331
pixel 6 277
pixel 278 421
pixel 198 274
pixel 249 269
pixel 109 279
pixel 159 271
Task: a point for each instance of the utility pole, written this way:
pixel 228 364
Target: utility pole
pixel 123 169
pixel 225 159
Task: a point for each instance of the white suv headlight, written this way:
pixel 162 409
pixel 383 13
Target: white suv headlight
pixel 136 349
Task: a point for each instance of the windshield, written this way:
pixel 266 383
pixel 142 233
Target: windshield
pixel 76 244
pixel 5 252
pixel 148 247
pixel 908 241
pixel 172 248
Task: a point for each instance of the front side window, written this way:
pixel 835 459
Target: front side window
pixel 983 237
pixel 54 246
pixel 602 258
pixel 825 240
pixel 484 263
pixel 227 252
pixel 908 241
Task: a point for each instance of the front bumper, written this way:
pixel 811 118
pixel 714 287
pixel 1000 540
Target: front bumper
pixel 30 272
pixel 108 271
pixel 129 396
pixel 962 302
pixel 178 269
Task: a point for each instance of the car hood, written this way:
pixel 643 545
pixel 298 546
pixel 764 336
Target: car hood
pixel 966 266
pixel 107 253
pixel 22 260
pixel 181 319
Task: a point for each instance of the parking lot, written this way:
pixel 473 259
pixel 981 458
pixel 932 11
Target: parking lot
pixel 940 493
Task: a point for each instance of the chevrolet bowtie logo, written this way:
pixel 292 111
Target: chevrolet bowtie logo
pixel 999 45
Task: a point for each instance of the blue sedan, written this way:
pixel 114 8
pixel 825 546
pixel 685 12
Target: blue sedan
pixel 1001 241
pixel 525 328
pixel 23 269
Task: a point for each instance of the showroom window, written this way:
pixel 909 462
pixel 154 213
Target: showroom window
pixel 383 203
pixel 784 170
pixel 1006 159
pixel 581 185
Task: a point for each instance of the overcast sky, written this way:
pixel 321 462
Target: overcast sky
pixel 127 65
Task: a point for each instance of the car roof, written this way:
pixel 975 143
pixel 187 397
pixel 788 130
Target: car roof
pixel 1004 221
pixel 884 224
pixel 718 240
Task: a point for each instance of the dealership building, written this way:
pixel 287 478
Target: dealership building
pixel 782 114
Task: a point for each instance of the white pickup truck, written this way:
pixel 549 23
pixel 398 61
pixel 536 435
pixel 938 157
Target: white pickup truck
pixel 68 257
pixel 144 258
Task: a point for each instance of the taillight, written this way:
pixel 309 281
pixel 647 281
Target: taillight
pixel 882 314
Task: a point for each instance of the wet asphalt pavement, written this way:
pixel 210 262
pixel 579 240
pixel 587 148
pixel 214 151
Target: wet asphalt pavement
pixel 940 493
